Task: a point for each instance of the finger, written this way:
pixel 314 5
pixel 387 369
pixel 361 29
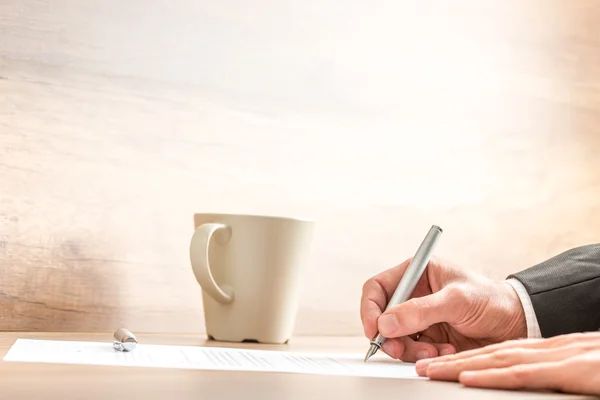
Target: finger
pixel 556 341
pixel 375 294
pixel 443 348
pixel 450 370
pixel 409 350
pixel 526 376
pixel 420 313
pixel 423 365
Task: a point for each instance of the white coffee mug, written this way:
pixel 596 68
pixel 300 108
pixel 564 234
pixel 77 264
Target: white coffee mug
pixel 249 268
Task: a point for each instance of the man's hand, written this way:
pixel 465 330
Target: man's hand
pixel 451 310
pixel 567 363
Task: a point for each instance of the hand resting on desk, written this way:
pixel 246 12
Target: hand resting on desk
pixel 566 363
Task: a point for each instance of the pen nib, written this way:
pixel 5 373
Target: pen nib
pixel 372 350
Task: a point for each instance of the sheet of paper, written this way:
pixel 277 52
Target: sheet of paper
pixel 207 358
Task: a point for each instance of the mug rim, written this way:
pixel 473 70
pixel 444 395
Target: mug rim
pixel 255 215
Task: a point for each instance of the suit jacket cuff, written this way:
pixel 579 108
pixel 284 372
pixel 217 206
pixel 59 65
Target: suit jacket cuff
pixel 533 327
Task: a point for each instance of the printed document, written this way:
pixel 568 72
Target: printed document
pixel 207 358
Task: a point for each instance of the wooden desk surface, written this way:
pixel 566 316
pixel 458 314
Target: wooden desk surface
pixel 58 381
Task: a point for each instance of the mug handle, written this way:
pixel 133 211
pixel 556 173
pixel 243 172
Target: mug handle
pixel 199 247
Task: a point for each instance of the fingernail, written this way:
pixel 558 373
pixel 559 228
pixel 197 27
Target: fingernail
pixel 422 365
pixel 387 324
pixel 446 352
pixel 434 365
pixel 467 376
pixel 422 355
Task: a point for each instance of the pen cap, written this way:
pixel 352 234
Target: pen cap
pixel 124 340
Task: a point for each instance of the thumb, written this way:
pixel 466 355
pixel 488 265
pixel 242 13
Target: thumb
pixel 418 314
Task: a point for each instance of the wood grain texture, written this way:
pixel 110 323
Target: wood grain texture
pixel 119 120
pixel 33 381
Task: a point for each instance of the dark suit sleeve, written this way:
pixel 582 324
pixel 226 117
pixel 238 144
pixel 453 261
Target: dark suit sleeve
pixel 565 291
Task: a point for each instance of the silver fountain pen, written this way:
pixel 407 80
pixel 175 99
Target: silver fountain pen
pixel 409 280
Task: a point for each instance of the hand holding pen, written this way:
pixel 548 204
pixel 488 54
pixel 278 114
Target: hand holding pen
pixel 409 281
pixel 444 310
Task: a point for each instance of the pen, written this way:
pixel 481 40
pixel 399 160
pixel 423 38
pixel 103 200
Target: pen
pixel 409 280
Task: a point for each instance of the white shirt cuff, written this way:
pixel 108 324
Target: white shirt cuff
pixel 533 328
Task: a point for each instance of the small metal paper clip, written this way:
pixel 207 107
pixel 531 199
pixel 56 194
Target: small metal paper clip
pixel 124 340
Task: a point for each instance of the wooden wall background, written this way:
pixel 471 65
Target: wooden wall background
pixel 119 120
